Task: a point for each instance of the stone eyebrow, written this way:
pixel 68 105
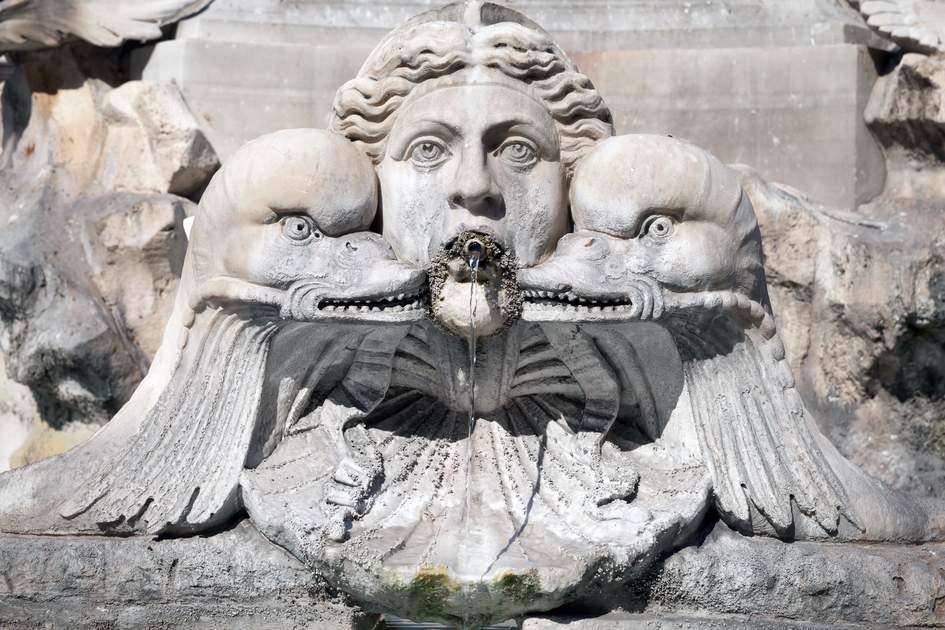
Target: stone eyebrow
pixel 402 138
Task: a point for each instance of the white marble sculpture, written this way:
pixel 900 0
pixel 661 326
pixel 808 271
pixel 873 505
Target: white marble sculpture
pixel 916 25
pixel 555 359
pixel 30 24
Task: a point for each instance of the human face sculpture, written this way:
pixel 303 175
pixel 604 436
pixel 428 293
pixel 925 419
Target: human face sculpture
pixel 479 157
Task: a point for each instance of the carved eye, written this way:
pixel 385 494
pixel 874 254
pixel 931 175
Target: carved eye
pixel 299 228
pixel 518 153
pixel 658 225
pixel 428 153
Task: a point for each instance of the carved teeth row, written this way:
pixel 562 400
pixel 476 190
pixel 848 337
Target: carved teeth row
pixel 570 299
pixel 391 303
pixel 582 308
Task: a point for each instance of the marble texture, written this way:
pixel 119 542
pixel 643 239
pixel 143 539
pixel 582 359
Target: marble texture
pixel 468 355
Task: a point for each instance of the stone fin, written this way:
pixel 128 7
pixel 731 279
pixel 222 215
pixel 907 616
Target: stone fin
pixel 180 472
pixel 757 438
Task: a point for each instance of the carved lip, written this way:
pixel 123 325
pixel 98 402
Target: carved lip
pixel 539 305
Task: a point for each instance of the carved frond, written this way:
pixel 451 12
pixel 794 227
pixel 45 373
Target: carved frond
pixel 756 436
pixel 180 471
pixel 916 25
pixel 29 24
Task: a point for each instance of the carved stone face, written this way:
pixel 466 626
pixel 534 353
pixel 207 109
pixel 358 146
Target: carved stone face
pixel 480 157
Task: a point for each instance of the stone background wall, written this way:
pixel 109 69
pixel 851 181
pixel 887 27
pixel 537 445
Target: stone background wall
pixel 105 151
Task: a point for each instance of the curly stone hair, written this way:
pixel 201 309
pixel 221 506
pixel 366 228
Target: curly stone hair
pixel 439 43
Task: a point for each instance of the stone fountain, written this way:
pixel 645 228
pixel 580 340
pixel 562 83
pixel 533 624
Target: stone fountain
pixel 467 355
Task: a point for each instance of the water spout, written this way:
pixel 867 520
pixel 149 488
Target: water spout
pixel 472 251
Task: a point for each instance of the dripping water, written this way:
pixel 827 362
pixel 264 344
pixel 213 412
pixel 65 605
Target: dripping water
pixel 473 252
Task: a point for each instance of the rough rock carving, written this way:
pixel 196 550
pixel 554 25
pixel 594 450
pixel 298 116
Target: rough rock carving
pixel 273 244
pixel 916 25
pixel 30 24
pixel 481 412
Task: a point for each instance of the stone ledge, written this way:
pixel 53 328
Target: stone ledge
pixel 236 579
pixel 630 621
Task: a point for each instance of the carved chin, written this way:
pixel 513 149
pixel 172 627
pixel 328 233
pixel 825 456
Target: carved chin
pixel 455 309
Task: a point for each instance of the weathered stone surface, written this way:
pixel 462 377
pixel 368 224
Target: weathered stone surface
pixel 618 24
pixel 861 316
pixel 92 245
pixel 804 129
pixel 907 107
pixel 749 581
pixel 233 579
pixel 238 579
pixel 17 413
pixel 153 142
pixel 554 456
pixel 906 111
pixel 723 75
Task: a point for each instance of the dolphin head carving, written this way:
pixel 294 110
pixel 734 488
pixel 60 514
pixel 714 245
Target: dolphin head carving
pixel 654 218
pixel 285 224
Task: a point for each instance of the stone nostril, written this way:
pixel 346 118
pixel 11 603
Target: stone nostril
pixel 456 200
pixel 351 246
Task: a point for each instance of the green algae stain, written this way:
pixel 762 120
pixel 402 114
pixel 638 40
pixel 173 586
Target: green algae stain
pixel 433 595
pixel 519 587
pixel 429 591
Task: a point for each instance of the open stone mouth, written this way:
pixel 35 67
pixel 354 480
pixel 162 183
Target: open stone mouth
pixel 402 302
pixel 571 301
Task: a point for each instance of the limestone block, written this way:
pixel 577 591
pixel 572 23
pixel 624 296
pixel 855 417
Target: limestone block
pixel 235 107
pixel 795 115
pixel 81 333
pixel 762 584
pixel 635 621
pixel 138 264
pixel 582 25
pixel 778 85
pixel 906 111
pixel 861 316
pixel 83 305
pixel 238 579
pixel 235 579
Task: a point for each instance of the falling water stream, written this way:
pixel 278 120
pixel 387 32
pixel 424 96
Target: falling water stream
pixel 473 252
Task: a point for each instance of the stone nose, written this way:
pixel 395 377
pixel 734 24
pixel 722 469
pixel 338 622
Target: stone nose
pixel 476 191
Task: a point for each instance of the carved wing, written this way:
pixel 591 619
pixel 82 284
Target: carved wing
pixel 28 24
pixel 181 470
pixel 757 438
pixel 916 25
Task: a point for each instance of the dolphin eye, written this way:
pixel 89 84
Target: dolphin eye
pixel 658 225
pixel 299 228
